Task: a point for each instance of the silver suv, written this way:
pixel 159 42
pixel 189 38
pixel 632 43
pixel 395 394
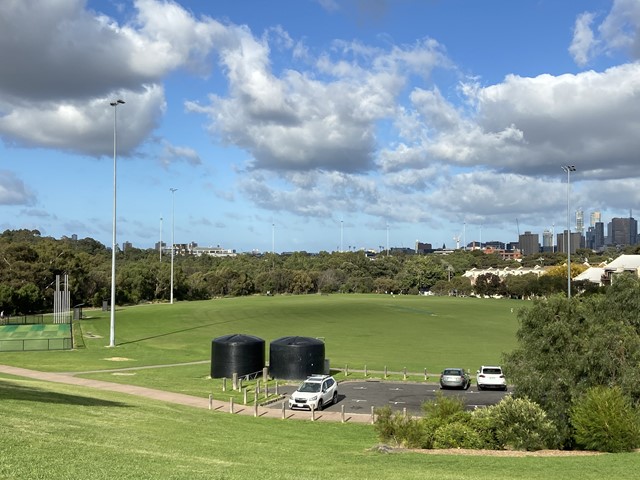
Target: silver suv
pixel 491 377
pixel 315 393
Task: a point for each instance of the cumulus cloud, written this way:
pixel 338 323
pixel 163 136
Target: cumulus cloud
pixel 71 62
pixel 13 190
pixel 172 154
pixel 618 31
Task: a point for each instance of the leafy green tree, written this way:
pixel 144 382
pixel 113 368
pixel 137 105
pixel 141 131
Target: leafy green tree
pixel 606 420
pixel 566 347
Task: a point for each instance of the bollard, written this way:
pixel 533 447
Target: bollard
pixel 265 374
pixel 342 413
pixel 313 414
pixel 346 370
pixel 404 412
pixel 235 381
pixel 385 371
pixel 244 395
pixel 373 415
pixel 255 410
pixel 224 384
pixel 404 373
pixel 230 404
pixel 210 401
pixel 240 384
pixel 365 370
pixel 258 386
pixel 276 387
pixel 425 374
pixel 284 415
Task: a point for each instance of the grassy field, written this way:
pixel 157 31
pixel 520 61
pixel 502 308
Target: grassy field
pixel 372 331
pixel 58 431
pixel 52 431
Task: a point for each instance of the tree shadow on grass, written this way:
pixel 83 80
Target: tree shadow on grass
pixel 15 391
pixel 176 332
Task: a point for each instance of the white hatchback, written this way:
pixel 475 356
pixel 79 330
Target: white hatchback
pixel 315 393
pixel 491 377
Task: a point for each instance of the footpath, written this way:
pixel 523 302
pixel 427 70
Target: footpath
pixel 188 400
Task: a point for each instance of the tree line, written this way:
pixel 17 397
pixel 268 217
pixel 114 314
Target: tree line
pixel 30 262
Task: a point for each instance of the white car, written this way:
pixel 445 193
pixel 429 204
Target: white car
pixel 491 377
pixel 316 392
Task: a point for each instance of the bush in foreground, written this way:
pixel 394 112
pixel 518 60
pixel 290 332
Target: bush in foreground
pixel 605 419
pixel 517 424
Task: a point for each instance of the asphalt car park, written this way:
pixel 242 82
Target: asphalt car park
pixel 360 396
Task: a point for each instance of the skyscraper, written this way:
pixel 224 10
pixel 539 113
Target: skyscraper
pixel 594 218
pixel 580 221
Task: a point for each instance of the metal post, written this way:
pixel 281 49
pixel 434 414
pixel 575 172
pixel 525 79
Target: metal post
pixel 568 169
pixel 173 244
pixel 112 323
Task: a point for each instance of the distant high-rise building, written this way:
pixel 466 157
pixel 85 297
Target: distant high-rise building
pixel 623 231
pixel 580 221
pixel 547 241
pixel 529 243
pixel 599 240
pixel 576 242
pixel 594 218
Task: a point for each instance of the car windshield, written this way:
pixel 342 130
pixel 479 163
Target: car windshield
pixel 492 371
pixel 452 371
pixel 307 387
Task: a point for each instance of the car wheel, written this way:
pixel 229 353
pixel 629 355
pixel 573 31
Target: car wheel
pixel 319 404
pixel 334 400
pixel 480 388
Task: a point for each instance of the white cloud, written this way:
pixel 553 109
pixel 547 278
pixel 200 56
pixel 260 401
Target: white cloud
pixel 70 63
pixel 13 190
pixel 619 31
pixel 583 41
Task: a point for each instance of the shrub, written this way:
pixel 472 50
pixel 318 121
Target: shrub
pixel 522 425
pixel 399 428
pixel 484 423
pixel 443 407
pixel 456 435
pixel 604 419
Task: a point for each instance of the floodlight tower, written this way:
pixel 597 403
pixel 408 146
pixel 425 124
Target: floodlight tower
pixel 568 169
pixel 112 323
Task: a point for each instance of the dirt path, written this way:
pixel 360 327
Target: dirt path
pixel 183 399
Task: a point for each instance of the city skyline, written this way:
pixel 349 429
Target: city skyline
pixel 317 124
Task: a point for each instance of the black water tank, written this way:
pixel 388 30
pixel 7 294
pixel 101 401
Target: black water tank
pixel 236 353
pixel 296 358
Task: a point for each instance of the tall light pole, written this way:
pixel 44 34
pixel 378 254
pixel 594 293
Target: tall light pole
pixel 387 239
pixel 568 169
pixel 112 323
pixel 173 244
pixel 160 244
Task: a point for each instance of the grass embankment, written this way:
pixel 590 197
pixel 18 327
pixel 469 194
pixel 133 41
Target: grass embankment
pixel 57 431
pixel 53 431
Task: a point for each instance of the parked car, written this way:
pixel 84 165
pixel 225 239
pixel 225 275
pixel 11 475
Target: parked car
pixel 315 393
pixel 454 378
pixel 491 377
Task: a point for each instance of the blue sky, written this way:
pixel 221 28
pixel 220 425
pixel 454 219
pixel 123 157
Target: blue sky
pixel 317 124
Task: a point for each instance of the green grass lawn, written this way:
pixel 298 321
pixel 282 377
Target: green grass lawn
pixel 54 431
pixel 372 331
pixel 57 431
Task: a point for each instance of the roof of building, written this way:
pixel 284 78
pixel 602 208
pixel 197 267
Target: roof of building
pixel 624 262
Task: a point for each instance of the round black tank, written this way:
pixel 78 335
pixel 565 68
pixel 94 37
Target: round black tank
pixel 236 353
pixel 296 358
